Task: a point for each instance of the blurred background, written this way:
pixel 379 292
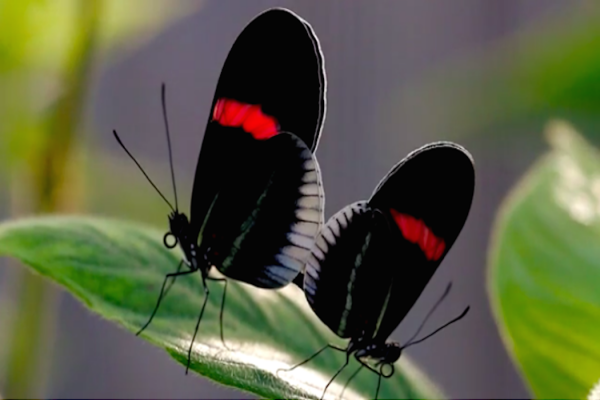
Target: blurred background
pixel 486 74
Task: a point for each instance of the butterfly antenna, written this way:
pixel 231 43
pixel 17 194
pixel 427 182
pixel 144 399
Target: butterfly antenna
pixel 141 169
pixel 442 297
pixel 164 108
pixel 461 316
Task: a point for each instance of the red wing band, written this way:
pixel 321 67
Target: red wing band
pixel 415 231
pixel 249 117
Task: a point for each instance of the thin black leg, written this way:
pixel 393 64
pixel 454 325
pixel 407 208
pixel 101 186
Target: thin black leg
pixel 379 373
pixel 336 374
pixel 162 293
pixel 349 379
pixel 367 366
pixel 379 382
pixel 206 293
pixel 173 280
pixel 328 346
pixel 222 307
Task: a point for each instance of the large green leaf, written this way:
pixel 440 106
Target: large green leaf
pixel 117 268
pixel 544 277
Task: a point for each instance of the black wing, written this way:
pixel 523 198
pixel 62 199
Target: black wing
pixel 426 199
pixel 347 278
pixel 265 218
pixel 276 66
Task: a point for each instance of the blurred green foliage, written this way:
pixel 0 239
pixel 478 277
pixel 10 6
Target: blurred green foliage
pixel 37 41
pixel 117 270
pixel 544 277
pixel 551 69
pixel 47 52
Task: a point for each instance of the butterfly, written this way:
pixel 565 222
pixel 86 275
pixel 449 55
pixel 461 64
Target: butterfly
pixel 257 200
pixel 372 260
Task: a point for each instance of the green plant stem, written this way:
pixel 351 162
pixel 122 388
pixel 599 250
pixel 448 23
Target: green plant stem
pixel 34 324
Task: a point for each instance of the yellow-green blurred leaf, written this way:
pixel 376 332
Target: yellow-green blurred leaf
pixel 37 33
pixel 544 269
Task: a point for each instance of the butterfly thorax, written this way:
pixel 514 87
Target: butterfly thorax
pixel 378 353
pixel 383 353
pixel 180 230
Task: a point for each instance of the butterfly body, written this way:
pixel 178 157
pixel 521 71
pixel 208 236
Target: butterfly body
pixel 257 199
pixel 372 260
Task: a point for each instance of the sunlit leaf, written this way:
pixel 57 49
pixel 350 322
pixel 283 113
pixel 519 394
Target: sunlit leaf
pixel 117 268
pixel 544 277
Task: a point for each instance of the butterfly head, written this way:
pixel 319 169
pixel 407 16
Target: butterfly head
pixel 179 227
pixel 383 354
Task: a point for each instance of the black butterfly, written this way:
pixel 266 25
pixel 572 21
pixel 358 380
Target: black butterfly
pixel 372 260
pixel 257 202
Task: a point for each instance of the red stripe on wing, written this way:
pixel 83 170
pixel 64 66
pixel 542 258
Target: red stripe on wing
pixel 249 117
pixel 415 231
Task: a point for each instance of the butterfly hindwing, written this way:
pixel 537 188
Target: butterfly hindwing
pixel 348 270
pixel 267 213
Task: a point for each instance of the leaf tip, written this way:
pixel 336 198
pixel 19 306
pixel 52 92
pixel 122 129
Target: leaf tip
pixel 560 134
pixel 594 393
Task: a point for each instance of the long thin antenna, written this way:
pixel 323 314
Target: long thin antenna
pixel 442 297
pixel 461 316
pixel 164 107
pixel 141 169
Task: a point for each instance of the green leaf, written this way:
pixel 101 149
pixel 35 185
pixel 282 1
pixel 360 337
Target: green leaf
pixel 117 269
pixel 544 276
pixel 42 42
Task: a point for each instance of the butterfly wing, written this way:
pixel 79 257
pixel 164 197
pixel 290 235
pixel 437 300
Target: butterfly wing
pixel 274 76
pixel 426 199
pixel 277 63
pixel 264 219
pixel 347 279
pixel 372 260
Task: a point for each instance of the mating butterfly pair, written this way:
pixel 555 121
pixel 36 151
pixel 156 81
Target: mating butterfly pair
pixel 257 201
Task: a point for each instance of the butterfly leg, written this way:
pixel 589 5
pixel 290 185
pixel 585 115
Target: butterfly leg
pixel 173 280
pixel 329 346
pixel 206 294
pixel 379 373
pixel 350 379
pixel 336 374
pixel 162 294
pixel 378 386
pixel 222 307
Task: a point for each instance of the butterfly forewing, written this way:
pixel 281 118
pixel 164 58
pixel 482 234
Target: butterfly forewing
pixel 275 67
pixel 426 199
pixel 348 274
pixel 265 217
pixel 276 62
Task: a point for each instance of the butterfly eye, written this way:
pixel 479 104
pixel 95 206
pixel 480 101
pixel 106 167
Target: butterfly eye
pixel 166 240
